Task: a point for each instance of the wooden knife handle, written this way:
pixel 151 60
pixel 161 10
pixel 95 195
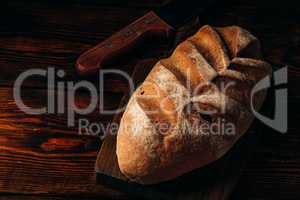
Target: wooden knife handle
pixel 122 42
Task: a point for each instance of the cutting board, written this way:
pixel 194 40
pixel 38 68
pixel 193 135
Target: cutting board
pixel 214 181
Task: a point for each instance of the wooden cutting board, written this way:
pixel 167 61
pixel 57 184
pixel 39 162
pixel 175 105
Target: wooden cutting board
pixel 214 181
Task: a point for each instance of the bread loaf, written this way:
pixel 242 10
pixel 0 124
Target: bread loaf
pixel 192 107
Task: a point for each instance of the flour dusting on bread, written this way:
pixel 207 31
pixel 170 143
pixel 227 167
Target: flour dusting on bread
pixel 192 107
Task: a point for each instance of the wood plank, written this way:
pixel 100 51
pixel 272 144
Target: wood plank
pixel 39 154
pixel 32 26
pixel 13 119
pixel 43 35
pixel 50 173
pixel 82 22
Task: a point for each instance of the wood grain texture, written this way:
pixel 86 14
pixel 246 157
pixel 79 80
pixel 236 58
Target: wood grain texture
pixel 48 161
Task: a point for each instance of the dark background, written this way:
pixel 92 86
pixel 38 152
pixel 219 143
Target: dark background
pixel 42 159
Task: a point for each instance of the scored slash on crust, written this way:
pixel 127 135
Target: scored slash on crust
pixel 211 56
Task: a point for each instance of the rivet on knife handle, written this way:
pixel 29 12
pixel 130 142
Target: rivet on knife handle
pixel 122 42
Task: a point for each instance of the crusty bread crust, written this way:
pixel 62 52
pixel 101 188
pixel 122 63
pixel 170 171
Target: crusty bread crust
pixel 182 91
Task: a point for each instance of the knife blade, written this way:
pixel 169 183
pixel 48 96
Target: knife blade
pixel 162 22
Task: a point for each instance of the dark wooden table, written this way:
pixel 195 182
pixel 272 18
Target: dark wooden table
pixel 42 159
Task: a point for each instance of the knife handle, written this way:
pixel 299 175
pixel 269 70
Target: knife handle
pixel 122 42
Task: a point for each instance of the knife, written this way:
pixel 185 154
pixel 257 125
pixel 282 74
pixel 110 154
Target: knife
pixel 162 23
